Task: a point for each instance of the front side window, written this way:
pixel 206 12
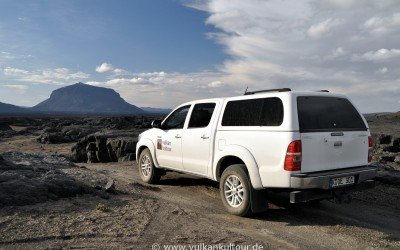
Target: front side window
pixel 201 115
pixel 177 119
pixel 254 112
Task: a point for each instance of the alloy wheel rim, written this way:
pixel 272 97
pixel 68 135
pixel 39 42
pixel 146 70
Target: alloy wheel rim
pixel 233 191
pixel 145 165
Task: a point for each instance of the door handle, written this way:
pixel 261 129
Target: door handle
pixel 178 136
pixel 204 137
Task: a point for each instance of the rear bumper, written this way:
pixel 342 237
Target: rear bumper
pixel 321 180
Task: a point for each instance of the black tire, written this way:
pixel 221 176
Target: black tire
pixel 236 171
pixel 151 175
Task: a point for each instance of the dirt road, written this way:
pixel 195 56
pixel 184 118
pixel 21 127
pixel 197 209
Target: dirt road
pixel 357 225
pixel 188 210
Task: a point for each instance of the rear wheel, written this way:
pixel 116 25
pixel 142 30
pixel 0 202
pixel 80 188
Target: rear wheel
pixel 235 190
pixel 147 171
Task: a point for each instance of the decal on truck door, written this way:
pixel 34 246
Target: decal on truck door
pixel 166 145
pixel 163 144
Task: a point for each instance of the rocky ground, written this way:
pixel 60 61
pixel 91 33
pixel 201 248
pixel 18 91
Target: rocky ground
pixel 47 201
pixel 30 178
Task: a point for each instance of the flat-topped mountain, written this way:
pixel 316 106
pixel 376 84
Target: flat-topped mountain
pixel 86 99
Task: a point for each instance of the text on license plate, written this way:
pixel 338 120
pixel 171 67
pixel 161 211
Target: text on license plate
pixel 341 181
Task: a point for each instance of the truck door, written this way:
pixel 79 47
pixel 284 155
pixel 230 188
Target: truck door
pixel 169 140
pixel 198 138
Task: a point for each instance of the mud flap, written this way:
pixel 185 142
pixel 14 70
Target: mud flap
pixel 258 200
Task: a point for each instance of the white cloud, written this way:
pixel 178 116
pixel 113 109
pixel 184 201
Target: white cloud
pixel 107 67
pixel 14 71
pixel 49 76
pixel 377 56
pixel 120 72
pixel 163 89
pixel 383 25
pixel 353 5
pixel 345 4
pixel 63 74
pixel 215 84
pixel 16 86
pixel 268 45
pixel 104 67
pixel 23 19
pixel 338 52
pixel 95 83
pixel 144 78
pixel 5 55
pixel 323 28
pixel 132 81
pixel 383 70
pixel 152 74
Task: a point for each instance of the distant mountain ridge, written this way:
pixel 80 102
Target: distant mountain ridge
pixel 156 110
pixel 82 98
pixel 376 114
pixel 12 109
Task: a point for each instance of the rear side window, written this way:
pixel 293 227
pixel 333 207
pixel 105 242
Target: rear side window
pixel 201 115
pixel 318 113
pixel 253 112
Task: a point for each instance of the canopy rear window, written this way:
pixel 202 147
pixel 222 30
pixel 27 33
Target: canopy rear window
pixel 319 113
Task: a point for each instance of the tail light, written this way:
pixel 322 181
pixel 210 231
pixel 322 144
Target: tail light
pixel 370 146
pixel 293 156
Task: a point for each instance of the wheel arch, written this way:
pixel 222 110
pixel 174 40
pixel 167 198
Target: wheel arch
pixel 140 150
pixel 235 154
pixel 225 162
pixel 142 145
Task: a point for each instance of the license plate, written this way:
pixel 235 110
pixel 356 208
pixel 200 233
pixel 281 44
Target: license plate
pixel 341 181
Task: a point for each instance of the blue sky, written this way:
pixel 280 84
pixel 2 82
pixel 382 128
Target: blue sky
pixel 161 53
pixel 145 35
pixel 141 35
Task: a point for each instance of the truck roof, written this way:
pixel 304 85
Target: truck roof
pixel 269 94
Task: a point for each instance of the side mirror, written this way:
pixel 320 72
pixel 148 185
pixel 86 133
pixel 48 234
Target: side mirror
pixel 156 124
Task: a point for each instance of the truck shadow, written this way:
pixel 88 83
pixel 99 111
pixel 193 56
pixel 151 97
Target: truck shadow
pixel 337 217
pixel 324 213
pixel 182 180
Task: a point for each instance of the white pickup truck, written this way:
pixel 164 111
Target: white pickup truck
pixel 311 145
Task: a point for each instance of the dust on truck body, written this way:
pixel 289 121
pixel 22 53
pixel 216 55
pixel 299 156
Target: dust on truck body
pixel 311 145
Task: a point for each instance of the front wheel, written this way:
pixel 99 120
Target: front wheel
pixel 235 190
pixel 147 171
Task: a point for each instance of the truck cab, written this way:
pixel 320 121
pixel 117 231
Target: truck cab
pixel 314 145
